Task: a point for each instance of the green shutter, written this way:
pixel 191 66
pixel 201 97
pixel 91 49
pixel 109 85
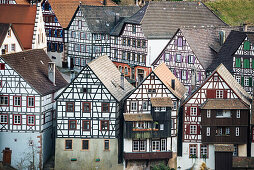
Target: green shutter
pixel 246 63
pixel 250 81
pixel 237 62
pixel 252 63
pixel 246 45
pixel 242 81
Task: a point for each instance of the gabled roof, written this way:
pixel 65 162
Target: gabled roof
pixel 65 9
pixel 22 18
pixel 162 19
pixel 110 76
pixel 231 82
pixel 103 19
pixel 3 31
pixel 232 43
pixel 32 66
pixel 166 76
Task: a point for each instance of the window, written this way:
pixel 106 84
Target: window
pixel 193 111
pixel 237 132
pixel 180 41
pixel 207 131
pixel 69 106
pixel 105 107
pixel 4 119
pixel 30 101
pixel 128 42
pixel 126 70
pixel 157 109
pixel 86 125
pixel 85 144
pixel 144 43
pixel 106 145
pixel 133 106
pixel 163 144
pixel 30 120
pixel 144 105
pixel 151 90
pixel 208 113
pixel 246 81
pixel 72 124
pixel 135 145
pixel 203 151
pixel 238 62
pixel 68 144
pixel 190 59
pixel 104 125
pixel 193 151
pixel 9 33
pixel 223 114
pixel 156 145
pixel 17 119
pixel 175 105
pixel 17 101
pixel 5 48
pixel 79 24
pixel 227 131
pixel 4 100
pixel 238 113
pixel 235 153
pixel 86 107
pixel 238 79
pixel 2 66
pixel 246 45
pixel 184 75
pixel 193 129
pixel 13 47
pixel 142 145
pixel 161 126
pixel 178 58
pixel 133 29
pixel 219 94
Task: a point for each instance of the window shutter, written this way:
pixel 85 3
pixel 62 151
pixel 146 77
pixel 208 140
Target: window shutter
pixel 210 93
pixel 187 129
pixel 242 81
pixel 198 129
pixel 250 81
pixel 225 94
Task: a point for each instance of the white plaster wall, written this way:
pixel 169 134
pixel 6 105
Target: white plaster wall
pixel 11 40
pixel 20 148
pixel 39 29
pixel 155 46
pixel 252 149
pixel 185 162
pixel 58 56
pixel 242 150
pixel 172 142
pixel 127 146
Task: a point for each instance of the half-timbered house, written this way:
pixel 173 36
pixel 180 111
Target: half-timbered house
pixel 190 52
pixel 89 118
pixel 150 120
pixel 57 16
pixel 9 41
pixel 29 26
pixel 237 54
pixel 214 119
pixel 29 81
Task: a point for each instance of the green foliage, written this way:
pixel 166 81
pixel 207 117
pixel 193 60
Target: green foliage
pixel 233 12
pixel 161 166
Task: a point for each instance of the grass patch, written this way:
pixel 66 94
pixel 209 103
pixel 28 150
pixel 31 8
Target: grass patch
pixel 233 12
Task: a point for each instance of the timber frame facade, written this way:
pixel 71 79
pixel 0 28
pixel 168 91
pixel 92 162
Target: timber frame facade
pixel 150 120
pixel 89 116
pixel 220 99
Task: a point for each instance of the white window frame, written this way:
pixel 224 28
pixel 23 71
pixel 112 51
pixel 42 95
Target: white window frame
pixel 246 81
pixel 156 109
pixel 190 59
pixel 193 129
pixel 30 120
pixel 29 102
pixel 175 105
pixel 237 131
pixel 17 99
pixel 193 150
pixel 144 103
pixel 163 109
pixel 155 145
pixel 184 74
pixel 227 131
pixel 219 94
pixel 203 150
pixel 135 146
pixel 208 114
pixel 17 119
pixel 238 79
pixel 133 105
pixel 238 114
pixel 163 144
pixel 142 145
pixel 193 111
pixel 208 131
pixel 178 58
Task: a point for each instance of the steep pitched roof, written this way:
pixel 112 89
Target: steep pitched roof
pixel 110 76
pixel 22 18
pixel 162 19
pixel 230 80
pixel 32 66
pixel 103 19
pixel 3 31
pixel 65 9
pixel 232 43
pixel 166 76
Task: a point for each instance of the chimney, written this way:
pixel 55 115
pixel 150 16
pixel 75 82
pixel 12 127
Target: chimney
pixel 117 17
pixel 222 37
pixel 105 2
pixel 173 84
pixel 72 74
pixel 193 79
pixel 122 80
pixel 52 72
pixel 245 27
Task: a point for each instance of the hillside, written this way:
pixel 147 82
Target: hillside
pixel 234 12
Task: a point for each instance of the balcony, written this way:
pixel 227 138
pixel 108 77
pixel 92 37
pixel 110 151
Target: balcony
pixel 147 155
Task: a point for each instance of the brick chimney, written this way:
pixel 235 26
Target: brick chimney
pixel 52 72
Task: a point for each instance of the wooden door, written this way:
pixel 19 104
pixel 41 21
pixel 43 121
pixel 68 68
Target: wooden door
pixel 223 160
pixel 7 156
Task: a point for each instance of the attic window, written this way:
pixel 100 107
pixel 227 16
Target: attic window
pixel 246 45
pixel 2 66
pixel 151 90
pixel 180 41
pixel 134 29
